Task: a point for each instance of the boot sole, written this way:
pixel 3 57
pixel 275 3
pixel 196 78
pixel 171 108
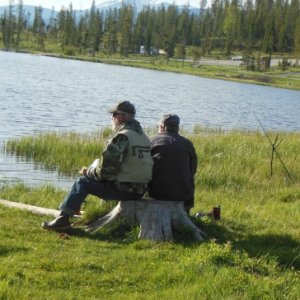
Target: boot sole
pixel 49 228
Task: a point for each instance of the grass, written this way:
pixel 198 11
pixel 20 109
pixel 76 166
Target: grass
pixel 253 252
pixel 42 265
pixel 61 151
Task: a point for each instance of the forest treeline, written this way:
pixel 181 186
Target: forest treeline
pixel 227 26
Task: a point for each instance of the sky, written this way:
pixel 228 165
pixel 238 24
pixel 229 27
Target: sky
pixel 78 4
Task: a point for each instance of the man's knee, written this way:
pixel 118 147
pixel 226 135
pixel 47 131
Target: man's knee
pixel 81 183
pixel 81 179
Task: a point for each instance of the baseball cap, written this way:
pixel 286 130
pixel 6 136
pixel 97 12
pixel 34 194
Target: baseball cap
pixel 123 107
pixel 170 120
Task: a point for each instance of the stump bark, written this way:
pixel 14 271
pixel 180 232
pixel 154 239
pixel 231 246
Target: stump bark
pixel 155 218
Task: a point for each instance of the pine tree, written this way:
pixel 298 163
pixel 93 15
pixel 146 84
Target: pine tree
pixel 110 41
pixel 138 36
pixel 183 27
pixel 249 26
pixel 268 40
pixel 170 30
pixel 38 28
pixel 61 23
pixel 51 27
pixel 94 30
pixel 8 26
pixel 149 31
pixel 159 21
pixel 20 24
pixel 126 23
pixel 195 31
pixel 81 34
pixel 231 25
pixel 296 46
pixel 279 25
pixel 292 21
pixel 143 31
pixel 217 17
pixel 69 28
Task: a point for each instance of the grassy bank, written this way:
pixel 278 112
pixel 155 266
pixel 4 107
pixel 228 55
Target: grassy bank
pixel 253 252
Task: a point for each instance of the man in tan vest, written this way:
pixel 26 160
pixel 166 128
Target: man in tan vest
pixel 122 173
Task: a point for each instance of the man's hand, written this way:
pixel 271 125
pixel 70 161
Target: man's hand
pixel 83 171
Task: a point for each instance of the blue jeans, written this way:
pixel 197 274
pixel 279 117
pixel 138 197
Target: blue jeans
pixel 84 186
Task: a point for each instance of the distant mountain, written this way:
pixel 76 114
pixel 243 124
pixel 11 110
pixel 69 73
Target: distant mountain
pixel 138 4
pixel 46 13
pixel 109 4
pixel 29 12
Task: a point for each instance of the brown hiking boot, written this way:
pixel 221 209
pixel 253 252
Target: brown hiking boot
pixel 60 223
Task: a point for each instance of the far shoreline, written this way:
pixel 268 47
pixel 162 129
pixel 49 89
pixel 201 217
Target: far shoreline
pixel 289 79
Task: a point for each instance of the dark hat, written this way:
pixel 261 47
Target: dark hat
pixel 123 107
pixel 170 120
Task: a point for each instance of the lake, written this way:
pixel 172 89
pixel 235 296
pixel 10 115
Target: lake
pixel 39 93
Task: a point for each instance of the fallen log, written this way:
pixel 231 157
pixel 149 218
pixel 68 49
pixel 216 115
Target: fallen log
pixel 156 219
pixel 32 208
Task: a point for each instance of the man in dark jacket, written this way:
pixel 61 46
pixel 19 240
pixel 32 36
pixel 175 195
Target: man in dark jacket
pixel 175 164
pixel 122 173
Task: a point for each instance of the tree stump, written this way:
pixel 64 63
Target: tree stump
pixel 156 219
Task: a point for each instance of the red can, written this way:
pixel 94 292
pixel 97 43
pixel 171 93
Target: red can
pixel 217 212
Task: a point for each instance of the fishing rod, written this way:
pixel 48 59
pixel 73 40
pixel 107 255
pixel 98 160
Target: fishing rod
pixel 274 150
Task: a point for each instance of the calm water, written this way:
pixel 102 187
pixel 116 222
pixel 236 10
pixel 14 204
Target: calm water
pixel 40 93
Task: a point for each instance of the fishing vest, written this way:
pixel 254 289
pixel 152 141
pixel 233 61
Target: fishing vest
pixel 137 163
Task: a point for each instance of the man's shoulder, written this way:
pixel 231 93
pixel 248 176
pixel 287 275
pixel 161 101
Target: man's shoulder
pixel 125 132
pixel 119 137
pixel 167 138
pixel 131 126
pixel 162 136
pixel 185 139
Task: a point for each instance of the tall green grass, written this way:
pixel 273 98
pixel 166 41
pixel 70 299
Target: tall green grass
pixel 241 159
pixel 237 159
pixel 253 252
pixel 66 151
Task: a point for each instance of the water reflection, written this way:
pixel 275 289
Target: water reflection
pixel 21 170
